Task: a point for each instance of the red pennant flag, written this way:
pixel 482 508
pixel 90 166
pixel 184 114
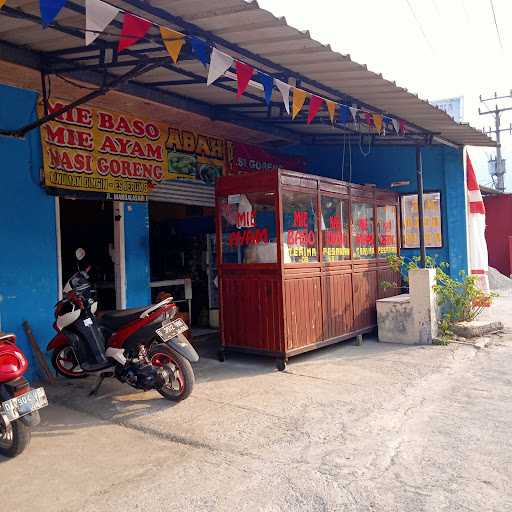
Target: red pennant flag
pixel 402 127
pixel 369 119
pixel 315 102
pixel 243 74
pixel 134 28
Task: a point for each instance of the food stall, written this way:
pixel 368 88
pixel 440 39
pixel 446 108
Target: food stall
pixel 302 260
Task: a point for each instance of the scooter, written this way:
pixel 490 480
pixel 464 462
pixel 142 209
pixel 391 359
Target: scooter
pixel 143 347
pixel 19 403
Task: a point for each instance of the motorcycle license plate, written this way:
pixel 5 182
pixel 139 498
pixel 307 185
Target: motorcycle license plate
pixel 25 404
pixel 172 329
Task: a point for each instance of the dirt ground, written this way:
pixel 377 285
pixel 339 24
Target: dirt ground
pixel 380 427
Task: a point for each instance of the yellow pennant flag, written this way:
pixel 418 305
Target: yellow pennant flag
pixel 2 3
pixel 172 40
pixel 299 97
pixel 331 108
pixel 377 121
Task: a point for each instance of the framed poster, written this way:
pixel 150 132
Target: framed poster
pixel 432 220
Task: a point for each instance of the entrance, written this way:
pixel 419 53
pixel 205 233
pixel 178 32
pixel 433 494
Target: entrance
pixel 90 224
pixel 182 260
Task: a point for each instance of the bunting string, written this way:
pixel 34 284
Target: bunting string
pixel 134 28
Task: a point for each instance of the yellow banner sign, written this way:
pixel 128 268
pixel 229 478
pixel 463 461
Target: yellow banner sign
pixel 95 150
pixel 195 157
pixel 432 220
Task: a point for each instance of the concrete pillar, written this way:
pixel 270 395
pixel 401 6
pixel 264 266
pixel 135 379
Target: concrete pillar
pixel 424 303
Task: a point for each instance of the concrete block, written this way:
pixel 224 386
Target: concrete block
pixel 410 318
pixel 476 328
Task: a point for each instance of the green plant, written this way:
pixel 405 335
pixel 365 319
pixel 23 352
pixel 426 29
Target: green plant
pixel 459 299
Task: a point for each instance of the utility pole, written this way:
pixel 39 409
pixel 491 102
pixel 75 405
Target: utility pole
pixel 499 168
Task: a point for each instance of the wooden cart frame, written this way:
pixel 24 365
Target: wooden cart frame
pixel 283 309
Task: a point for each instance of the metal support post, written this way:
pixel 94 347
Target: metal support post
pixel 419 181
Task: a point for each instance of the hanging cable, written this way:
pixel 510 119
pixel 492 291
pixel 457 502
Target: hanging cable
pixel 496 23
pixel 420 26
pixel 350 162
pixel 365 153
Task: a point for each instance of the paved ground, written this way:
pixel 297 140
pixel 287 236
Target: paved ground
pixel 374 428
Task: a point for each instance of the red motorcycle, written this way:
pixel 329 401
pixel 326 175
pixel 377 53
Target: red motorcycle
pixel 143 347
pixel 19 403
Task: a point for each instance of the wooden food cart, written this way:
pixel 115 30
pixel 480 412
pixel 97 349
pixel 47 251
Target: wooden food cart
pixel 301 260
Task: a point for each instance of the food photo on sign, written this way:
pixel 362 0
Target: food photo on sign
pixel 194 156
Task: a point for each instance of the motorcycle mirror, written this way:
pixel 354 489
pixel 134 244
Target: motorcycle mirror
pixel 80 254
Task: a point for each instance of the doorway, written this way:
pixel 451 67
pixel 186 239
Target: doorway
pixel 90 224
pixel 180 264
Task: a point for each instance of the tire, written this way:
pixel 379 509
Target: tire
pixel 162 355
pixel 14 439
pixel 75 372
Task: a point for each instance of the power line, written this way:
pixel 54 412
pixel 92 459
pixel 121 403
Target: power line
pixel 418 22
pixel 496 23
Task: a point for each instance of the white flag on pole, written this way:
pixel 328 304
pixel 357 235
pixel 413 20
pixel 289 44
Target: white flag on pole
pixel 98 16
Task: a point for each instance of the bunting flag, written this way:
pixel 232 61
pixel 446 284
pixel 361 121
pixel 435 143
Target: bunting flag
pixel 98 15
pixel 299 97
pixel 478 255
pixel 345 115
pixel 49 10
pixel 268 85
pixel 200 48
pixel 284 89
pixel 2 3
pixel 243 75
pixel 353 113
pixel 315 102
pixel 173 42
pixel 219 64
pixel 331 108
pixel 396 125
pixel 369 119
pixel 134 29
pixel 377 122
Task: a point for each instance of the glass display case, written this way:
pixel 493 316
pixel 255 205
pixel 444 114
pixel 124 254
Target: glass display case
pixel 302 260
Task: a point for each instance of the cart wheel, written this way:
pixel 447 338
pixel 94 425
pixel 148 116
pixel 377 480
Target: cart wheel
pixel 221 355
pixel 281 364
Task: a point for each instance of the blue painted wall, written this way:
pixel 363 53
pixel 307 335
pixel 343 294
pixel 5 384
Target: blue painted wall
pixel 28 263
pixel 442 169
pixel 136 232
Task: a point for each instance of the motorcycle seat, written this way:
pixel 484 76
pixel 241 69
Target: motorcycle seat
pixel 116 319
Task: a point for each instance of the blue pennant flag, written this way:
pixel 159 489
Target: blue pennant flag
pixel 201 49
pixel 345 115
pixel 268 84
pixel 50 9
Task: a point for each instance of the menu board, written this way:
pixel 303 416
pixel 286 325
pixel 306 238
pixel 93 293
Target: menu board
pixel 432 220
pixel 363 234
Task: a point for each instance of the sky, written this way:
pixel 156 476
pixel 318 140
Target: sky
pixel 435 48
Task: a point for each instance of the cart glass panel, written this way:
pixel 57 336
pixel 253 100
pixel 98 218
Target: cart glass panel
pixel 335 236
pixel 363 231
pixel 300 237
pixel 387 242
pixel 249 228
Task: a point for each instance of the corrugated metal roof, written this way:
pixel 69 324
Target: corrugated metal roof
pixel 244 30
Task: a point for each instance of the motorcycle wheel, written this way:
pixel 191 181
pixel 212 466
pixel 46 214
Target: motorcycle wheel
pixel 14 438
pixel 66 363
pixel 163 355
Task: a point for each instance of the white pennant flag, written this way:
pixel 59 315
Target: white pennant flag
pixel 219 64
pixel 353 111
pixel 98 15
pixel 284 89
pixel 396 124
